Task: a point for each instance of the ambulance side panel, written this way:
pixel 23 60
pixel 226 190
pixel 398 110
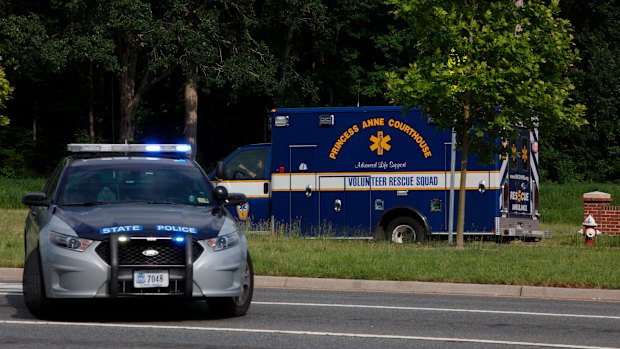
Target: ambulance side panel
pixel 346 171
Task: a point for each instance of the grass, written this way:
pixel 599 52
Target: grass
pixel 11 190
pixel 484 262
pixel 12 237
pixel 561 203
pixel 561 261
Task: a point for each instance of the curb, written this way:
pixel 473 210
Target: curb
pixel 438 288
pixel 11 274
pixel 15 274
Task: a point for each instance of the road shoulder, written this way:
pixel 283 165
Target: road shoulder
pixel 15 275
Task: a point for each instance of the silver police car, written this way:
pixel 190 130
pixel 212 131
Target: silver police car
pixel 134 220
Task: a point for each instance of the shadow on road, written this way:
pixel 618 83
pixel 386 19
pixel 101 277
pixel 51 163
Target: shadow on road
pixel 120 310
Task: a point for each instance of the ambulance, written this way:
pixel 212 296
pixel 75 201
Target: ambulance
pixel 379 172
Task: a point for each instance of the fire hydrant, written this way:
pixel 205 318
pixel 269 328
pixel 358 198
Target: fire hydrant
pixel 588 231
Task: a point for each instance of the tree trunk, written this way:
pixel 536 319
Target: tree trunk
pixel 191 110
pixel 91 103
pixel 130 92
pixel 34 128
pixel 127 86
pixel 286 54
pixel 460 222
pixel 128 107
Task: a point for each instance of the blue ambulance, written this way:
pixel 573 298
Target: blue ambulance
pixel 378 172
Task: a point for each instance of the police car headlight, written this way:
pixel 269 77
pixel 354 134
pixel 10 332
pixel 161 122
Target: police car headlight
pixel 71 242
pixel 225 241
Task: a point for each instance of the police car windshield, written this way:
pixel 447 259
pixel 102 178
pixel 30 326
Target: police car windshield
pixel 162 181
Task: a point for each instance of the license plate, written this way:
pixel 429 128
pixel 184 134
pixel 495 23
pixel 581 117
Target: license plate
pixel 150 278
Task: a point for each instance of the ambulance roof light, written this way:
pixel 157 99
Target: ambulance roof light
pixel 281 121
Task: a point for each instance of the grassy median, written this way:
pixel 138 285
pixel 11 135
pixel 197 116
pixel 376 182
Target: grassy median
pixel 562 260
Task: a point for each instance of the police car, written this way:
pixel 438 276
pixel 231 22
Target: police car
pixel 134 220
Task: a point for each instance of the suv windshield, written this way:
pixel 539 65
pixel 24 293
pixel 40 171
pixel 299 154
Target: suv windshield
pixel 98 181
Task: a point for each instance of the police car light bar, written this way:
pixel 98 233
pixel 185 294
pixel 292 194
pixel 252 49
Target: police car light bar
pixel 129 148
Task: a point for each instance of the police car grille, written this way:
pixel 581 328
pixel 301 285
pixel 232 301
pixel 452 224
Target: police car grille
pixel 176 287
pixel 131 252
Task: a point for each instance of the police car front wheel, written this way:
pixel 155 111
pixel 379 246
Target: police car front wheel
pixel 235 306
pixel 34 291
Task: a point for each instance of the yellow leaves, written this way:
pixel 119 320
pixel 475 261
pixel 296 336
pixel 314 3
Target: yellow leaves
pixel 453 65
pixel 454 60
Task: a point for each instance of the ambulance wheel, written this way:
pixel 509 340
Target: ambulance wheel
pixel 224 307
pixel 34 291
pixel 405 229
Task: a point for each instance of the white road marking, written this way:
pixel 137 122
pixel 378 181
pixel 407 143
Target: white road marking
pixel 441 310
pixel 7 288
pixel 10 288
pixel 305 333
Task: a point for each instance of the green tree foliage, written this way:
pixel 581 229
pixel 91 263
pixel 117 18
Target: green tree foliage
pixel 293 29
pixel 65 60
pixel 217 48
pixel 5 94
pixel 30 50
pixel 475 56
pixel 592 152
pixel 145 45
pixel 332 52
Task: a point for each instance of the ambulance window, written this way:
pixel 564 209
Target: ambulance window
pixel 248 164
pixel 525 153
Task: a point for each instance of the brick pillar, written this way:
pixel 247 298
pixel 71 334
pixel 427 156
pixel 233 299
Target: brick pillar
pixel 597 204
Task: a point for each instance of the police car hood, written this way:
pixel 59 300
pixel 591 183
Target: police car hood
pixel 98 222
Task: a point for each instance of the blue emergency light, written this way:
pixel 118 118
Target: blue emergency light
pixel 183 149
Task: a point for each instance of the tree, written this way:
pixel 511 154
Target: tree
pixel 573 156
pixel 217 49
pixel 291 29
pixel 486 68
pixel 5 94
pixel 143 43
pixel 31 50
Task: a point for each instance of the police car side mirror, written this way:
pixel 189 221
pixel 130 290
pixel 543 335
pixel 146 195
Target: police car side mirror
pixel 223 197
pixel 35 199
pixel 220 194
pixel 236 199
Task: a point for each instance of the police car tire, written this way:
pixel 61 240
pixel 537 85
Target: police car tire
pixel 412 223
pixel 235 306
pixel 34 292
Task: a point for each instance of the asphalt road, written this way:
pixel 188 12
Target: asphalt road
pixel 293 318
